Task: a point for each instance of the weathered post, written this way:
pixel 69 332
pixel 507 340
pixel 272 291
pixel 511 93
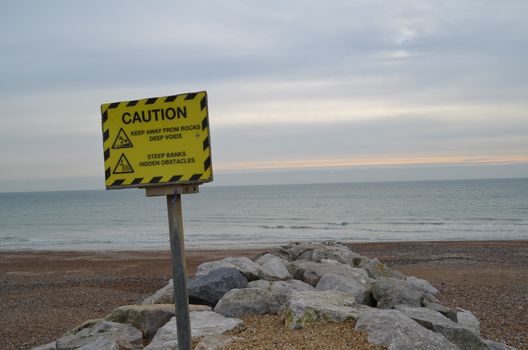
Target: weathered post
pixel 179 275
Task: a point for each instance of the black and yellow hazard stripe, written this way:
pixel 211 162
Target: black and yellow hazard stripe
pixel 205 125
pixel 205 176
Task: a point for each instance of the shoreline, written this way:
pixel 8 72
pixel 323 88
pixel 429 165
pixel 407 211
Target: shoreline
pixel 45 293
pixel 237 246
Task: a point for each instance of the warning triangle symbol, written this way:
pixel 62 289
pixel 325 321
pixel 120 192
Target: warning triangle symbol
pixel 123 166
pixel 122 140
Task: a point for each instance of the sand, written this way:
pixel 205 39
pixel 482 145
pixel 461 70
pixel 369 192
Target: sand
pixel 44 294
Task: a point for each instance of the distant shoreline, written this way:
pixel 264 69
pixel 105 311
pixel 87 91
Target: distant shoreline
pixel 259 246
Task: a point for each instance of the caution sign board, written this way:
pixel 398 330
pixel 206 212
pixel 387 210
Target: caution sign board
pixel 156 141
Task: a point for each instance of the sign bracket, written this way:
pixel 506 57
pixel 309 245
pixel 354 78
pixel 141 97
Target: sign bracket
pixel 168 190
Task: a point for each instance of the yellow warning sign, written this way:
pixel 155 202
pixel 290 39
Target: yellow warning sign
pixel 157 141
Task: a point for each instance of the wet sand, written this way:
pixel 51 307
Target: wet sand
pixel 44 294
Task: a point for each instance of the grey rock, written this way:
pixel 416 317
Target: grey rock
pixel 307 307
pixel 389 292
pixel 248 301
pixel 103 335
pixel 492 345
pixel 281 290
pixel 273 268
pixel 281 252
pixel 211 323
pixel 295 250
pixel 376 269
pixel 360 291
pixel 339 253
pixel 267 257
pixel 444 310
pixel 286 287
pixel 203 323
pixel 49 346
pixel 311 272
pixel 249 268
pixel 280 287
pixel 422 285
pixel 147 318
pixel 349 271
pixel 85 324
pixel 467 320
pixel 161 296
pixel 262 284
pixel 317 251
pixel 429 298
pixel 208 289
pixel 396 331
pixel 432 320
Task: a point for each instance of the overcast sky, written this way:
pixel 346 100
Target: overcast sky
pixel 301 90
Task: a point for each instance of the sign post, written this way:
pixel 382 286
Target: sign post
pixel 161 144
pixel 181 299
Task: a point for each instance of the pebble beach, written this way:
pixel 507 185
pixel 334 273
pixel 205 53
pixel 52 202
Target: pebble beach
pixel 44 294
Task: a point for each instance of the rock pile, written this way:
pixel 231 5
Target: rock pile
pixel 304 283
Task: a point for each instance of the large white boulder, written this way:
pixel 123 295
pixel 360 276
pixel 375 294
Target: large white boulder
pixel 248 301
pixel 104 335
pixel 396 331
pixel 286 287
pixel 307 307
pixel 467 320
pixel 360 291
pixel 311 272
pixel 389 292
pixel 147 318
pixel 273 268
pixel 436 322
pixel 422 284
pixel 248 267
pixel 208 289
pixel 203 323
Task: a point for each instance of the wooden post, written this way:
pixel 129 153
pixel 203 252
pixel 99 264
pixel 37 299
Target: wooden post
pixel 177 243
pixel 179 275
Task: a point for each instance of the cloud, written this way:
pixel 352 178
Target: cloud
pixel 65 44
pixel 288 82
pixel 364 141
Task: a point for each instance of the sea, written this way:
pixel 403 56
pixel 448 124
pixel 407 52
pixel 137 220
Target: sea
pixel 254 216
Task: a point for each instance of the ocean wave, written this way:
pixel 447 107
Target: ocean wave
pixel 394 223
pixel 487 223
pixel 382 230
pixel 495 219
pixel 497 230
pixel 343 223
pixel 13 239
pixel 295 227
pixel 419 223
pixel 245 218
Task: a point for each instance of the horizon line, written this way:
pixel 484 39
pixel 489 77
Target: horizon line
pixel 211 184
